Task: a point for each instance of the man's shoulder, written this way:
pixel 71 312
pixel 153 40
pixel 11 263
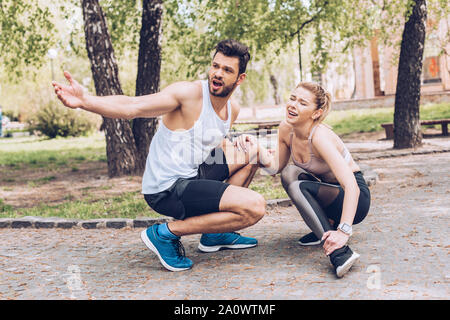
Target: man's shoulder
pixel 186 89
pixel 235 104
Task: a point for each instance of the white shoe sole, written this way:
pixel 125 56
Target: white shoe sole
pixel 305 244
pixel 150 245
pixel 340 271
pixel 217 248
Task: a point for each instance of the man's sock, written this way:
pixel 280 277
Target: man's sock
pixel 165 233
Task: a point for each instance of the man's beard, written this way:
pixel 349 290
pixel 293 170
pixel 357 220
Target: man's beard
pixel 225 89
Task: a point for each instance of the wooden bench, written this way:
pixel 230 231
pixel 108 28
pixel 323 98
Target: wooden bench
pixel 262 124
pixel 389 127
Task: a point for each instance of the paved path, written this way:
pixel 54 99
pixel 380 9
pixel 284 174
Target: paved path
pixel 404 246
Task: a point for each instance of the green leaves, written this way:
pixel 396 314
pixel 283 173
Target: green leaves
pixel 124 22
pixel 26 33
pixel 54 120
pixel 265 24
pixel 29 28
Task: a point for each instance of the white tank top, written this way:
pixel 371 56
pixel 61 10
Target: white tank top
pixel 178 154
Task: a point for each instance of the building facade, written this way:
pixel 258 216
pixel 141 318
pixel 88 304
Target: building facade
pixel 374 71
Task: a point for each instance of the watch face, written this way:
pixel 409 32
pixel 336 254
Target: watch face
pixel 346 228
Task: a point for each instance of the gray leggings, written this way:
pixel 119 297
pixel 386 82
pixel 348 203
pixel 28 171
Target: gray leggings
pixel 319 201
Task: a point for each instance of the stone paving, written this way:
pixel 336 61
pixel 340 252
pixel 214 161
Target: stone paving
pixel 403 243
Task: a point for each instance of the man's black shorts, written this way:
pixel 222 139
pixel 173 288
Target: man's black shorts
pixel 189 197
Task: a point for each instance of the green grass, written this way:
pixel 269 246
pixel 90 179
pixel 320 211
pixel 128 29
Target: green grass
pixel 44 153
pixel 128 205
pixel 5 209
pixel 41 181
pixel 37 152
pixel 370 120
pixel 48 155
pixel 269 187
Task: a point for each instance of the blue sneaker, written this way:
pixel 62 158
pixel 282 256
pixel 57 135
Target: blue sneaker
pixel 211 242
pixel 169 251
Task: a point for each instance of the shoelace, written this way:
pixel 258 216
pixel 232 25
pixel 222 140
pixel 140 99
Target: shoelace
pixel 238 234
pixel 179 248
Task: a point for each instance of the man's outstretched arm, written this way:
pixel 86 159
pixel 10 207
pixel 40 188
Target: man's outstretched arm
pixel 119 106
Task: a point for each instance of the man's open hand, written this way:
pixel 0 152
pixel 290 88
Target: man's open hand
pixel 70 95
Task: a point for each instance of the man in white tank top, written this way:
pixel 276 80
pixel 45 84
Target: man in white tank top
pixel 189 157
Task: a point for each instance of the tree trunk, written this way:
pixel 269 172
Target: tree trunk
pixel 407 132
pixel 120 146
pixel 276 96
pixel 148 77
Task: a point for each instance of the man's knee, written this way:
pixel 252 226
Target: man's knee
pixel 255 209
pixel 249 205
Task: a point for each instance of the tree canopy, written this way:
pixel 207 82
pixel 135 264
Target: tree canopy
pixel 26 34
pixel 192 27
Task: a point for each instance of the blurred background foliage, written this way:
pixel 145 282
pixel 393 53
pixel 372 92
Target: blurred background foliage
pixel 325 30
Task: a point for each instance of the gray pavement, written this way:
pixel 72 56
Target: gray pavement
pixel 403 243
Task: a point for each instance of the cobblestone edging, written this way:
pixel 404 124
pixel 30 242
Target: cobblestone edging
pixel 46 223
pixel 119 223
pixel 115 223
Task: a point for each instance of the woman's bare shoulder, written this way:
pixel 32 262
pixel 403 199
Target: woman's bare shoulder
pixel 284 127
pixel 326 133
pixel 284 130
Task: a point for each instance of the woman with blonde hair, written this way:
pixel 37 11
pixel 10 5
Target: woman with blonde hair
pixel 323 181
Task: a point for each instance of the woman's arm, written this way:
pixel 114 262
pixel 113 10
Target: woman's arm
pixel 328 150
pixel 274 163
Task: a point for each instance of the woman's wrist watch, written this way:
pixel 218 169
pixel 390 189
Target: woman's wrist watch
pixel 345 228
